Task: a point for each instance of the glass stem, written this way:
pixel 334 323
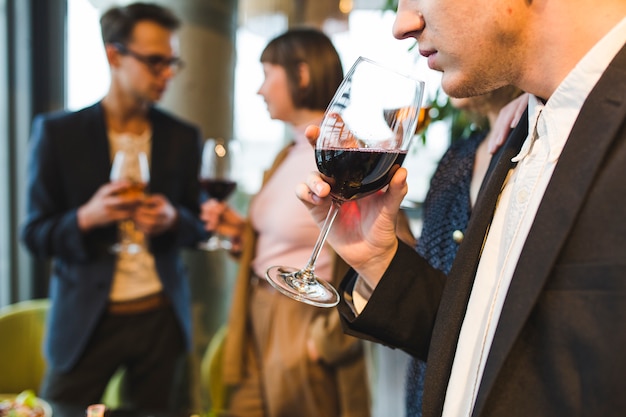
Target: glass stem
pixel 308 272
pixel 125 232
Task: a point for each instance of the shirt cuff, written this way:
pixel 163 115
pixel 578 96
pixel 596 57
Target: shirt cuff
pixel 361 294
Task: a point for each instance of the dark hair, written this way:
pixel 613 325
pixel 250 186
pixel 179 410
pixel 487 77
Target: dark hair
pixel 117 23
pixel 313 48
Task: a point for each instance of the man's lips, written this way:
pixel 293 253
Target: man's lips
pixel 430 55
pixel 426 52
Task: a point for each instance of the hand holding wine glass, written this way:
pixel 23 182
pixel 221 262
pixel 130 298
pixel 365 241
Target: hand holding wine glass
pixel 363 140
pixel 217 179
pixel 155 215
pixel 133 168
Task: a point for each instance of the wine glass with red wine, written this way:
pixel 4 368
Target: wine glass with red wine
pixel 132 167
pixel 217 179
pixel 364 138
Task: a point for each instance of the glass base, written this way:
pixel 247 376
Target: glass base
pixel 215 243
pixel 130 248
pixel 291 282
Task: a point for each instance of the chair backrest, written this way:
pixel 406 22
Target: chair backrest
pixel 22 363
pixel 211 373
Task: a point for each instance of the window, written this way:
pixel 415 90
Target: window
pixel 368 33
pixel 87 70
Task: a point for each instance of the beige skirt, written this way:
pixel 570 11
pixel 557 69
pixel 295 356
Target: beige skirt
pixel 281 381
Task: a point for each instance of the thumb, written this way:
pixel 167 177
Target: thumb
pixel 312 132
pixel 398 187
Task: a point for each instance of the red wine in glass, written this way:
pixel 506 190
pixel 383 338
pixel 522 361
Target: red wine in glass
pixel 354 172
pixel 364 138
pixel 218 188
pixel 217 173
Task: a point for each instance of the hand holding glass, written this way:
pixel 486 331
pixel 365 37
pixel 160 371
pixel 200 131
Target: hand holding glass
pixel 364 138
pixel 132 167
pixel 217 180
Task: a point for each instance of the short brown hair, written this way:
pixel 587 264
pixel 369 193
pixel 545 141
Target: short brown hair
pixel 117 23
pixel 313 48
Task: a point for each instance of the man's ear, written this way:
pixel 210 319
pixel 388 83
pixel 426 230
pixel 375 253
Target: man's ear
pixel 112 54
pixel 305 75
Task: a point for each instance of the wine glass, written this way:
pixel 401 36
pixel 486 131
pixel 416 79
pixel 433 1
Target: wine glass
pixel 132 167
pixel 217 179
pixel 364 138
pixel 96 410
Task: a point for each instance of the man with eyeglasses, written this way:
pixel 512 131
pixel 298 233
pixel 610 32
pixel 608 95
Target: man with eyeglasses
pixel 112 310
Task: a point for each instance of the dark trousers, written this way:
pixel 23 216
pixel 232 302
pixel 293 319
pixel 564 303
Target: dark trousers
pixel 149 346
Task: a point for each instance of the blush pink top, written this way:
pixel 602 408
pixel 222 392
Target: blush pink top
pixel 287 233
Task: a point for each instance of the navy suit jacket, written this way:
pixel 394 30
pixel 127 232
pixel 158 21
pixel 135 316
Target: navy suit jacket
pixel 69 161
pixel 558 349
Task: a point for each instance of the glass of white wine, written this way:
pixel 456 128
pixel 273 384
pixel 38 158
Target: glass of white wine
pixel 132 167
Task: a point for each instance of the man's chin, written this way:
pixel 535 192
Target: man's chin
pixel 459 87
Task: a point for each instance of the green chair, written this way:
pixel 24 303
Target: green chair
pixel 22 364
pixel 211 373
pixel 113 397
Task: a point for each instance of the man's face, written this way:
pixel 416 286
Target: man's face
pixel 143 69
pixel 478 45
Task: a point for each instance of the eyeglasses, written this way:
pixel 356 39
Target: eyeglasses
pixel 155 63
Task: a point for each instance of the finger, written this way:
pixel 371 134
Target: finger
pixel 211 216
pixel 232 217
pixel 155 201
pixel 495 142
pixel 119 203
pixel 210 222
pixel 228 230
pixel 118 214
pixel 312 132
pixel 152 207
pixel 499 132
pixel 208 219
pixel 519 111
pixel 314 190
pixel 508 117
pixel 317 185
pixel 304 193
pixel 214 206
pixel 112 188
pixel 148 223
pixel 150 200
pixel 398 187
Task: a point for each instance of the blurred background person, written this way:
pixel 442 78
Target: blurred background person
pixel 451 195
pixel 282 357
pixel 126 309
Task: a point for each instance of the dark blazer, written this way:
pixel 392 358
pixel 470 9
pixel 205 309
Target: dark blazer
pixel 69 161
pixel 559 348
